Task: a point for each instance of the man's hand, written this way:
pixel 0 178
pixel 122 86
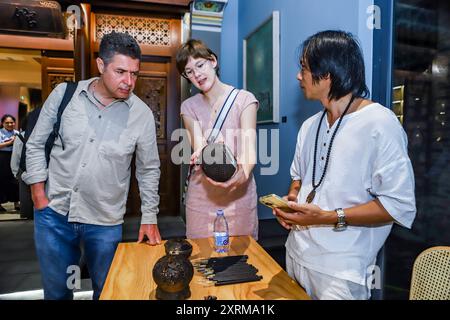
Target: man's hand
pixel 283 222
pixel 290 197
pixel 195 157
pixel 38 196
pixel 306 214
pixel 152 233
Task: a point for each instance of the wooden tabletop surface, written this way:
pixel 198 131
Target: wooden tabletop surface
pixel 130 275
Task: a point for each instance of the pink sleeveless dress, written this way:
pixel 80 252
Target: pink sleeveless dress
pixel 203 199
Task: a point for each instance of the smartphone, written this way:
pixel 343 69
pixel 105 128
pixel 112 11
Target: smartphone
pixel 273 201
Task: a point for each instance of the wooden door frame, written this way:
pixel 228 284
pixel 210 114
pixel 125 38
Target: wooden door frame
pixel 56 66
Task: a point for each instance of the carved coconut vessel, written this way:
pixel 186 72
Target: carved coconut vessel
pixel 173 272
pixel 218 162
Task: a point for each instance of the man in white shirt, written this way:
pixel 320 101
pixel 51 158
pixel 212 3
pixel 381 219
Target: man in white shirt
pixel 351 175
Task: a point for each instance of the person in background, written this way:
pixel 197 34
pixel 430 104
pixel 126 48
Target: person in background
pixel 237 197
pixel 9 188
pixel 351 175
pixel 17 150
pixel 17 167
pixel 80 199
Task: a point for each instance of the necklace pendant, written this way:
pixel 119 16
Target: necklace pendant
pixel 311 196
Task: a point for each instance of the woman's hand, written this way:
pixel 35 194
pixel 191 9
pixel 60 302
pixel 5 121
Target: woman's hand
pixel 9 142
pixel 195 156
pixel 238 179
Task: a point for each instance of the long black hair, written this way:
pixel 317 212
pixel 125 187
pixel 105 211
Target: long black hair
pixel 337 54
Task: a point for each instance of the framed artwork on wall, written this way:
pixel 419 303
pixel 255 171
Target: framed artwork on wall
pixel 207 15
pixel 208 7
pixel 261 63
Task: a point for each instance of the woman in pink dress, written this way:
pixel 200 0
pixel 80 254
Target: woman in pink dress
pixel 237 197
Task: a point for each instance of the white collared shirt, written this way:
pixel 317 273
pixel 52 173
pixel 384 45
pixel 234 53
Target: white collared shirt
pixel 368 160
pixel 6 135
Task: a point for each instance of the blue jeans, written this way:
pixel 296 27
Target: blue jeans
pixel 58 246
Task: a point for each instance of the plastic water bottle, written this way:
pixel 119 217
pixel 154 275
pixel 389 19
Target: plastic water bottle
pixel 221 235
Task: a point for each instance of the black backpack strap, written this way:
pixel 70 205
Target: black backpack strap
pixel 22 163
pixel 70 90
pixel 32 117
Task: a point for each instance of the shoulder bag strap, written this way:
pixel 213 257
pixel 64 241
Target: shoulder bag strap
pixel 222 116
pixel 54 134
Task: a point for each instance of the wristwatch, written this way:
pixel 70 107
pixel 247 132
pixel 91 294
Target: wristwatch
pixel 341 225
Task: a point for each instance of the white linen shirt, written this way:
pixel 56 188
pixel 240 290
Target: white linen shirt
pixel 6 135
pixel 368 160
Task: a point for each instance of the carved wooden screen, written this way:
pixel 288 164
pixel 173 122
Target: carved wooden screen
pixel 153 91
pixel 146 31
pixel 154 88
pixel 54 72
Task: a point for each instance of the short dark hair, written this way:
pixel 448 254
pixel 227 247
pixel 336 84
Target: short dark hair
pixel 337 54
pixel 196 49
pixel 118 43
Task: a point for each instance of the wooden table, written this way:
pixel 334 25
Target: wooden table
pixel 130 275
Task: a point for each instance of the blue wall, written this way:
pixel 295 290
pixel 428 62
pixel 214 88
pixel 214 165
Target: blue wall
pixel 298 20
pixel 229 48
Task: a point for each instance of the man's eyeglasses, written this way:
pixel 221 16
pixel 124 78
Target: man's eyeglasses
pixel 199 67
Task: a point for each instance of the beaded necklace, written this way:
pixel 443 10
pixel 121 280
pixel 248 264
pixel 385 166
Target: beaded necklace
pixel 312 194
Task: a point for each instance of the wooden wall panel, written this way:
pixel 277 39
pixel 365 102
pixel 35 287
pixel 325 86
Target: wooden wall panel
pixel 55 71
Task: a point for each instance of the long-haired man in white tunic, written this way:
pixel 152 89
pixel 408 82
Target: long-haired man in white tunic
pixel 351 175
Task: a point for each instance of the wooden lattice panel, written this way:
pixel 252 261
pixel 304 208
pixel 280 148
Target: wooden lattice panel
pixel 55 79
pixel 148 31
pixel 152 91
